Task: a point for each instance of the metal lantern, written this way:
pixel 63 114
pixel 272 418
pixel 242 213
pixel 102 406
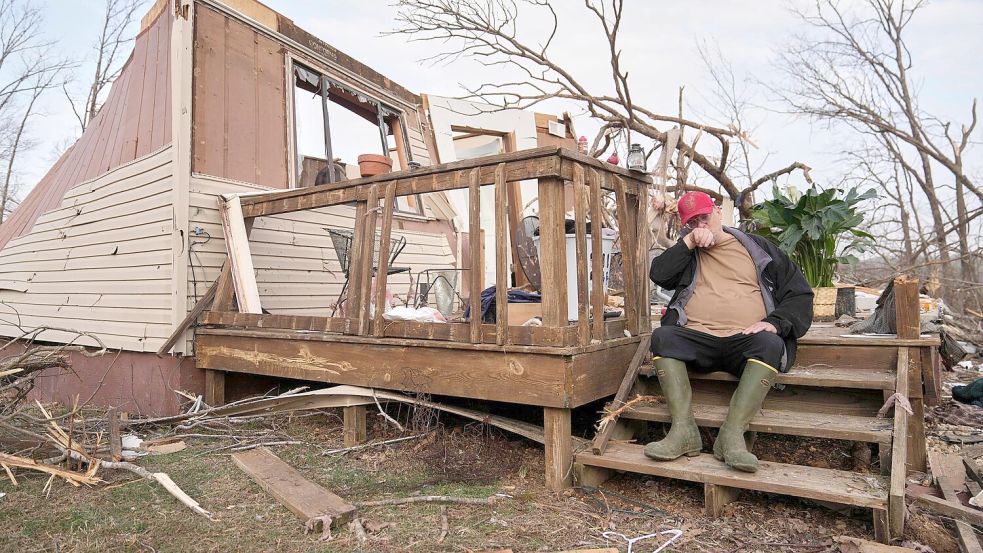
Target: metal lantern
pixel 636 158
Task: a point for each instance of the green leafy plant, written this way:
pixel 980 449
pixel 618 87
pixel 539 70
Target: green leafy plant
pixel 818 230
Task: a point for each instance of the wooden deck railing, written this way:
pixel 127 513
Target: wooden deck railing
pixel 552 168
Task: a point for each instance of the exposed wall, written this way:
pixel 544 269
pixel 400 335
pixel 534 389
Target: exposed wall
pixel 239 120
pixel 134 121
pixel 100 262
pixel 297 269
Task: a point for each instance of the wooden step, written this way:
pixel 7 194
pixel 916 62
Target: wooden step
pixel 848 488
pixel 794 423
pixel 819 377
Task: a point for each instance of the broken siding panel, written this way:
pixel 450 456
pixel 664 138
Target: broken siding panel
pixel 87 158
pixel 107 272
pixel 240 116
pixel 296 266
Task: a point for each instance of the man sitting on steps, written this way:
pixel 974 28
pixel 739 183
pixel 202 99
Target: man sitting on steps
pixel 739 305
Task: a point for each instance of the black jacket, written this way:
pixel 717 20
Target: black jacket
pixel 787 295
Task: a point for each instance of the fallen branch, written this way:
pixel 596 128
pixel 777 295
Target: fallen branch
pixel 164 480
pixel 429 499
pixel 444 524
pixel 88 478
pixel 371 444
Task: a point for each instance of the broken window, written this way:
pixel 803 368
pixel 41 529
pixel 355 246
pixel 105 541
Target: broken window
pixel 335 122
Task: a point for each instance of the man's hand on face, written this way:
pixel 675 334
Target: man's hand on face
pixel 699 238
pixel 760 326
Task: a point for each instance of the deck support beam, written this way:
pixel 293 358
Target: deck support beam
pixel 354 425
pixel 214 387
pixel 716 497
pixel 559 448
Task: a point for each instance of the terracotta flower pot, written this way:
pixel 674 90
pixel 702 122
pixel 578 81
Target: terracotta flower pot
pixel 370 165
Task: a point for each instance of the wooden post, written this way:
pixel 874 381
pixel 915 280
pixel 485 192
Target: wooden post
pixel 906 308
pixel 580 219
pixel 382 275
pixel 597 257
pixel 626 234
pixel 642 237
pixel 477 259
pixel 552 252
pixel 899 450
pixel 908 318
pixel 214 387
pixel 354 425
pixel 354 298
pixel 501 257
pixel 365 293
pixel 559 447
pixel 716 497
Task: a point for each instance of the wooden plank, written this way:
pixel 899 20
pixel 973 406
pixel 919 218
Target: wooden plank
pixel 641 353
pixel 501 256
pixel 580 220
pixel 833 377
pixel 382 275
pixel 559 448
pixel 523 165
pixel 858 340
pixel 552 252
pixel 642 241
pixel 792 422
pixel 224 290
pixel 409 365
pixel 354 425
pixel 907 308
pixel 214 387
pixel 626 236
pixel 899 452
pixel 365 262
pixel 355 272
pixel 477 266
pixel 191 317
pixel 237 244
pixel 597 260
pixel 955 511
pixel 716 497
pixel 794 480
pixel 309 501
pixel 948 479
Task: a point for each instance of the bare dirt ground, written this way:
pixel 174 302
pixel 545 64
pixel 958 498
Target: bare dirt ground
pixel 453 457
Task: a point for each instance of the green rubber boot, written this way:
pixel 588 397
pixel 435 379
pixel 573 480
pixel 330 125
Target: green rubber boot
pixel 730 446
pixel 684 436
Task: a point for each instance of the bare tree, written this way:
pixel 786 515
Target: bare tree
pixel 110 51
pixel 488 31
pixel 28 69
pixel 855 68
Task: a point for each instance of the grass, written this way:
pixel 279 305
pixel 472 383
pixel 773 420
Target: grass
pixel 127 514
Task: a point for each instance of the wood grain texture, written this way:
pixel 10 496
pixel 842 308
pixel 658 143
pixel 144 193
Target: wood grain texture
pixel 241 261
pixel 798 481
pixel 382 276
pixel 716 497
pixel 582 262
pixel 596 262
pixel 354 425
pixel 552 252
pixel 899 452
pixel 502 276
pixel 307 500
pixel 946 474
pixel 559 448
pixel 474 240
pixel 214 388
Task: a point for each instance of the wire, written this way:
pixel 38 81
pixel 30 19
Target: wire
pixel 197 233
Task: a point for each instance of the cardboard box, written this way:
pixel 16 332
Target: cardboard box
pixel 522 312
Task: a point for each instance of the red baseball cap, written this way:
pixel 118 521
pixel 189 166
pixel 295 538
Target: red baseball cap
pixel 692 204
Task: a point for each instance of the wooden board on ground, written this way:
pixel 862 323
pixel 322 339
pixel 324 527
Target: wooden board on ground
pixel 836 486
pixel 304 498
pixel 947 471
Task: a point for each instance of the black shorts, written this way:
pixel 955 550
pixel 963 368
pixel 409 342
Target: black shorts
pixel 707 353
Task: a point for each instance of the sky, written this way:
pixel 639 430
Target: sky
pixel 659 42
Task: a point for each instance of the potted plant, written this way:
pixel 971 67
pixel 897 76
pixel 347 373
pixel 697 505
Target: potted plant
pixel 818 230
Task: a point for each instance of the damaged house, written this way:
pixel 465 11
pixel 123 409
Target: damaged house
pixel 122 236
